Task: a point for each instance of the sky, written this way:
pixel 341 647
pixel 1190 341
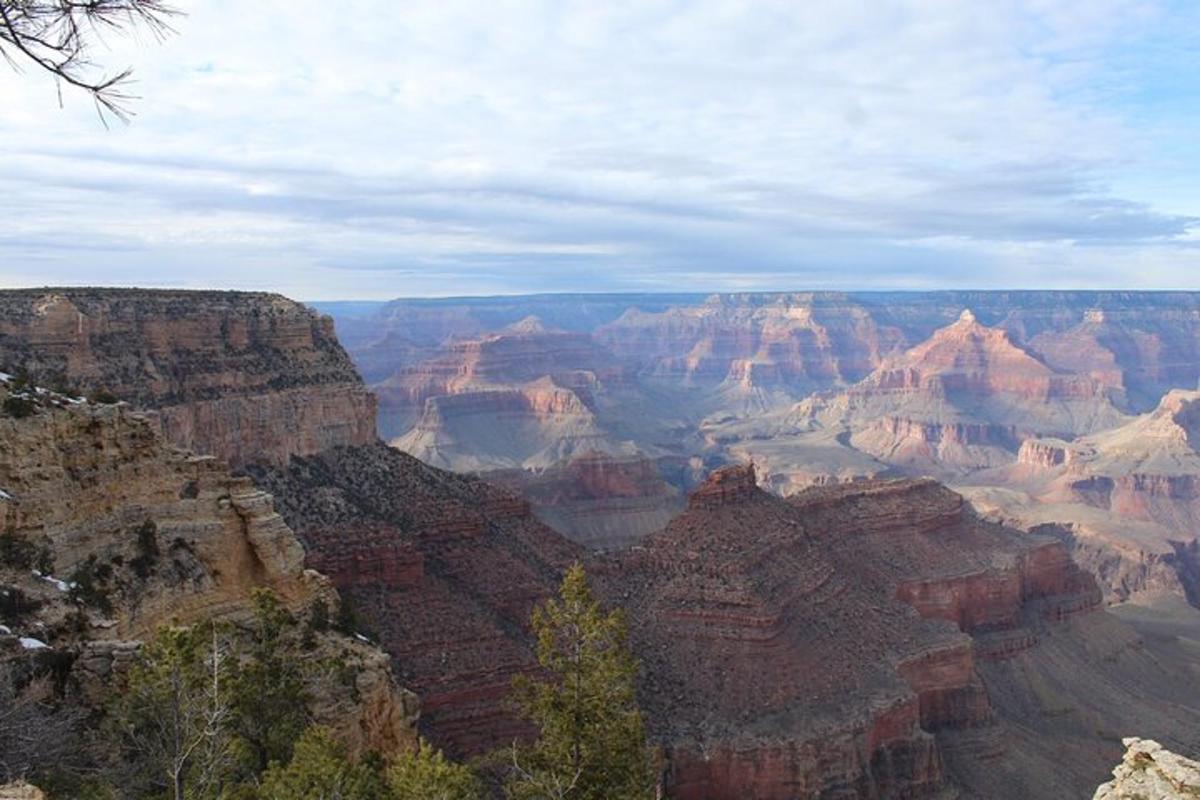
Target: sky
pixel 372 150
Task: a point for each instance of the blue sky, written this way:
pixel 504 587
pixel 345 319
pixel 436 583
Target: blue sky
pixel 476 148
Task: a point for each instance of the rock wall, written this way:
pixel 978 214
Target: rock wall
pixel 443 570
pixel 243 376
pixel 109 533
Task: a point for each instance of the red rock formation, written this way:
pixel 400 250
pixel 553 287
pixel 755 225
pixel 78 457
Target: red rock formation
pixel 239 375
pixel 741 611
pixel 443 569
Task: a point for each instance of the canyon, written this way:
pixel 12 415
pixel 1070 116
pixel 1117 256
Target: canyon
pixel 813 389
pixel 857 631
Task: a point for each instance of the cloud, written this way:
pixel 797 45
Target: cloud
pixel 465 147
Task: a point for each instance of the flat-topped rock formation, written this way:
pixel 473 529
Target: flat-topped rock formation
pixel 444 570
pixel 520 354
pixel 244 376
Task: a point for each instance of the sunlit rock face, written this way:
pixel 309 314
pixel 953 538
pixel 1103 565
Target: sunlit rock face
pixel 133 533
pixel 243 376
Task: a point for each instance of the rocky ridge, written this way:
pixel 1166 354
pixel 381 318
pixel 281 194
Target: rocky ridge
pixel 243 376
pixel 108 533
pixel 740 611
pixel 443 569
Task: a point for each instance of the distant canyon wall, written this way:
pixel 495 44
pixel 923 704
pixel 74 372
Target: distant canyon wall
pixel 244 376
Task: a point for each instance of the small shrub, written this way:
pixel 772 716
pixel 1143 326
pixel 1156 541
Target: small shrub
pixel 19 406
pixel 17 552
pixel 88 586
pixel 147 547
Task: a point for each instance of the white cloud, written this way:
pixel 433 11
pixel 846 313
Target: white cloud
pixel 401 148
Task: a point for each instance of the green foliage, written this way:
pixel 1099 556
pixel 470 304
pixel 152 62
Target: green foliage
pixel 427 775
pixel 269 700
pixel 591 743
pixel 147 548
pixel 20 553
pixel 172 721
pixel 320 770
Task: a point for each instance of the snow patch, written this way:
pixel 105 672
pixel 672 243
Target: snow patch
pixel 62 586
pixel 5 495
pixel 362 638
pixel 5 377
pixel 5 630
pixel 30 643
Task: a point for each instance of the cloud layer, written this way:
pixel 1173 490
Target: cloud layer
pixel 385 149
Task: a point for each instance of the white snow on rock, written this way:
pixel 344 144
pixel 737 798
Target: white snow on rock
pixel 30 643
pixel 5 630
pixel 5 495
pixel 5 377
pixel 62 586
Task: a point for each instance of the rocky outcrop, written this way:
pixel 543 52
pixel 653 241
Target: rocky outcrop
pixel 1150 772
pixel 739 611
pixel 109 533
pixel 243 376
pixel 443 569
pixel 742 609
pixel 1126 499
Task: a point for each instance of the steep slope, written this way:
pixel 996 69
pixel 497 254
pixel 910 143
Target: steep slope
pixel 239 375
pixel 444 569
pixel 106 532
pixel 874 640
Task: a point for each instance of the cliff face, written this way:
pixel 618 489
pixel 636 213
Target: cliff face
pixel 243 376
pixel 866 639
pixel 444 569
pixel 109 532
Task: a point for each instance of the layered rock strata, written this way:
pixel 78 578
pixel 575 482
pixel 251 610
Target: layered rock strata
pixel 243 376
pixel 109 533
pixel 443 569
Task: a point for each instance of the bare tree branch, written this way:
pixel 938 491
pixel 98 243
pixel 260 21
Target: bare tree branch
pixel 56 36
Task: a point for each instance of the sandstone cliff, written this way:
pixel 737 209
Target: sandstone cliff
pixel 107 532
pixel 243 376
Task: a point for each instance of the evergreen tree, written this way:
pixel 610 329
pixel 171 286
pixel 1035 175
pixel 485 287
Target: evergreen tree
pixel 269 701
pixel 320 770
pixel 172 722
pixel 591 743
pixel 426 774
